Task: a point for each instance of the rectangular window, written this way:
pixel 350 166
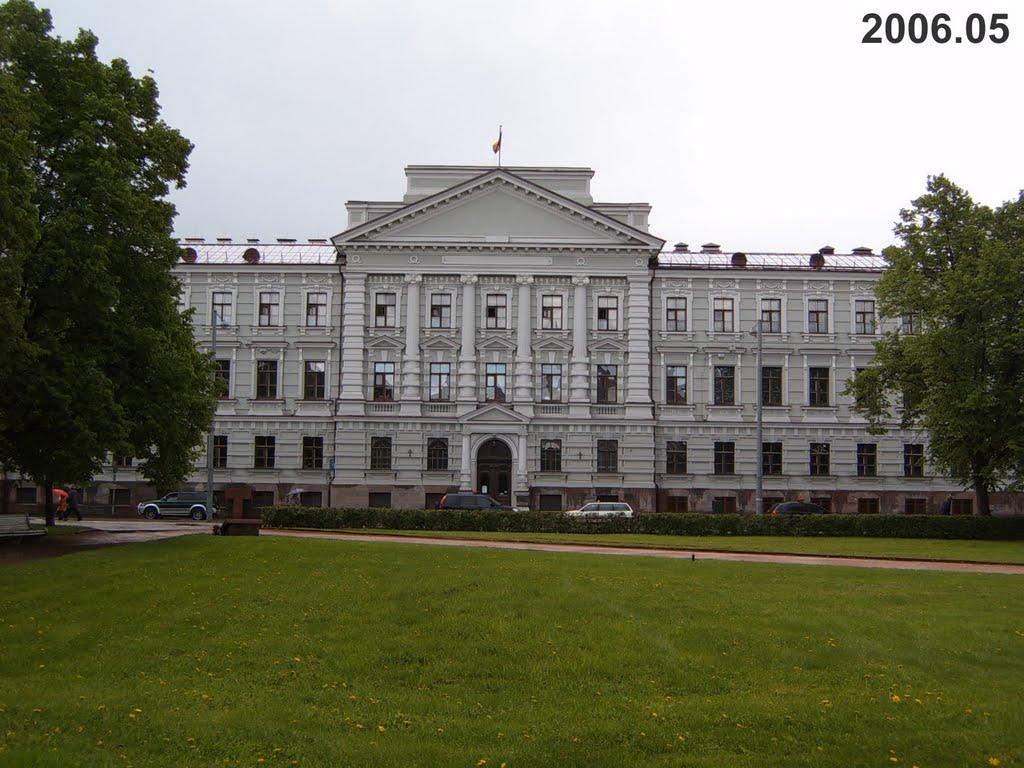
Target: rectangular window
pixel 550 455
pixel 384 381
pixel 771 385
pixel 867 460
pixel 724 505
pixel 607 313
pixel 551 383
pixel 123 461
pixel 440 382
pixel 725 458
pixel 312 453
pixel 385 310
pixel 675 384
pixel 868 506
pixel 817 387
pixel 771 315
pixel 725 385
pixel 266 379
pixel 675 457
pixel 962 507
pixel 440 310
pixel 223 376
pixel 864 316
pixel 120 496
pixel 723 316
pixel 771 458
pixel 825 502
pixel 380 453
pixel 817 316
pixel 677 504
pixel 910 324
pixel 495 382
pixel 913 460
pixel 551 313
pixel 379 499
pixel 25 495
pixel 437 454
pixel 497 310
pixel 222 307
pixel 675 314
pixel 820 456
pixel 265 448
pixel 270 308
pixel 607 455
pixel 551 502
pixel 607 384
pixel 316 310
pixel 220 451
pixel 314 380
pixel 915 506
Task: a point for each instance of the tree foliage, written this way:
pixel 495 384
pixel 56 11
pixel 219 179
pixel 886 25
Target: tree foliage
pixel 958 279
pixel 97 358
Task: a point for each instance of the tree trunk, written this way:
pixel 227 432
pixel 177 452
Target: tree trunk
pixel 981 496
pixel 48 503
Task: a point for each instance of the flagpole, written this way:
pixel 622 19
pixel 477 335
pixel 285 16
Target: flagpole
pixel 499 145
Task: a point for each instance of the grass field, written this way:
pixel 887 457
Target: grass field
pixel 209 651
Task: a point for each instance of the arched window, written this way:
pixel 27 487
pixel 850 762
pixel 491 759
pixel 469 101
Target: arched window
pixel 437 454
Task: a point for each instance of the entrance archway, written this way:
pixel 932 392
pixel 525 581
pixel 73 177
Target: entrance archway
pixel 494 470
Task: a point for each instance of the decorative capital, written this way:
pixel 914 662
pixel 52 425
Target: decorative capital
pixel 524 279
pixel 413 279
pixel 579 280
pixel 468 279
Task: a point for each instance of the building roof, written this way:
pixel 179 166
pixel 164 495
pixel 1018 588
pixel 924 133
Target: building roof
pixel 196 250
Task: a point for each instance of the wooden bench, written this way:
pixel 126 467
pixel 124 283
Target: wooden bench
pixel 16 526
pixel 241 526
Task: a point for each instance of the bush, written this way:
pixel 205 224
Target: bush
pixel 879 526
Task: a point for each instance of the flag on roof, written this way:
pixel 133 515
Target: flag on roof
pixel 496 146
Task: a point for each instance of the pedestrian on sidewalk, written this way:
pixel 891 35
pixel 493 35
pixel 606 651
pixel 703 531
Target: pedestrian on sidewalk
pixel 72 501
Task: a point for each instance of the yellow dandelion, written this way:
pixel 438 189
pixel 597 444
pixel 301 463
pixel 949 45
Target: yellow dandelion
pixel 482 761
pixel 381 728
pixel 894 759
pixel 994 761
pixel 895 698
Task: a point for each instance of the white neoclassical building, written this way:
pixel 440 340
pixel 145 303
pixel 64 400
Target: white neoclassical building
pixel 497 329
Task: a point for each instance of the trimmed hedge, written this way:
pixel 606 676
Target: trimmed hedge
pixel 879 526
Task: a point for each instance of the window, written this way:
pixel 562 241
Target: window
pixel 817 316
pixel 437 454
pixel 675 457
pixel 724 505
pixel 820 454
pixel 379 499
pixel 868 506
pixel 314 381
pixel 385 310
pixel 771 385
pixel 265 446
pixel 222 301
pixel 495 382
pixel 551 313
pixel 220 451
pixel 383 381
pixel 123 461
pixel 817 387
pixel 675 385
pixel 910 324
pixel 677 504
pixel 915 506
pixel 725 385
pixel 675 314
pixel 962 507
pixel 863 316
pixel 725 458
pixel 771 315
pixel 380 453
pixel 266 379
pixel 551 502
pixel 551 383
pixel 312 453
pixel 25 495
pixel 550 455
pixel 497 310
pixel 316 310
pixel 440 310
pixel 913 460
pixel 270 308
pixel 223 377
pixel 867 460
pixel 607 383
pixel 771 458
pixel 440 381
pixel 825 502
pixel 723 316
pixel 607 455
pixel 120 497
pixel 607 313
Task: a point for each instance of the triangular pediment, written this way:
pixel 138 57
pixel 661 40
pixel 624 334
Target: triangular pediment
pixel 498 208
pixel 440 343
pixel 385 342
pixel 607 345
pixel 497 344
pixel 552 345
pixel 494 413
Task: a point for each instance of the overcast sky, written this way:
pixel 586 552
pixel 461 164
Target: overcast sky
pixel 762 126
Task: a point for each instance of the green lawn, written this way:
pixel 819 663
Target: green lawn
pixel 210 651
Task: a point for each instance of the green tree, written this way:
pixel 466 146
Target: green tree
pixel 97 357
pixel 958 280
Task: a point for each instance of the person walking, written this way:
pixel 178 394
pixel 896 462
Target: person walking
pixel 947 505
pixel 62 506
pixel 72 501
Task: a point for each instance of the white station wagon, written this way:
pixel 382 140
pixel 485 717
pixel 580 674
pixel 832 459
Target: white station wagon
pixel 602 509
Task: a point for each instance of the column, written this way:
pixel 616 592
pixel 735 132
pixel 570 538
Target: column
pixel 411 360
pixel 465 478
pixel 523 381
pixel 579 366
pixel 467 374
pixel 352 395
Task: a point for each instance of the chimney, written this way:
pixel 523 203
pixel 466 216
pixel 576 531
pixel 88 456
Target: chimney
pixel 826 250
pixel 862 251
pixel 681 248
pixel 711 248
pixel 286 239
pixel 223 239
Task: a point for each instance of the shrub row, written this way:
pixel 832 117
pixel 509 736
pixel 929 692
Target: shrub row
pixel 886 526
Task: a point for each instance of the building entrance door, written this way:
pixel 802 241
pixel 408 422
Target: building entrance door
pixel 494 470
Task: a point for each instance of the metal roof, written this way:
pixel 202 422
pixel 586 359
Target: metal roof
pixel 224 251
pixel 834 262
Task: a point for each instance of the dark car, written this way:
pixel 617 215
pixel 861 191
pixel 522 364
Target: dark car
pixel 798 508
pixel 472 501
pixel 182 504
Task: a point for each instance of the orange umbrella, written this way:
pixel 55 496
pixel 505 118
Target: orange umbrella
pixel 59 492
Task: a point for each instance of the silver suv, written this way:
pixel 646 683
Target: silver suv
pixel 190 503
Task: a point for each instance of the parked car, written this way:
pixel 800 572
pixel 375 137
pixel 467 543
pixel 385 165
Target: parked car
pixel 602 509
pixel 472 501
pixel 798 508
pixel 181 504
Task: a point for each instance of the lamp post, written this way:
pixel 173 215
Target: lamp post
pixel 759 508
